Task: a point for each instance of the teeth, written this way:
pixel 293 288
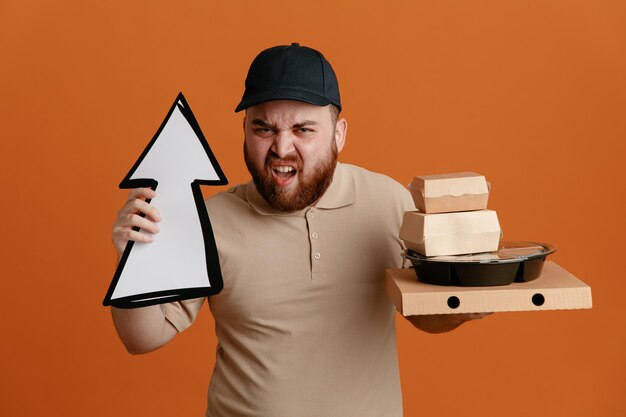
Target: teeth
pixel 284 169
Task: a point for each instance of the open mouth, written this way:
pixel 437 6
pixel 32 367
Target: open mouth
pixel 284 173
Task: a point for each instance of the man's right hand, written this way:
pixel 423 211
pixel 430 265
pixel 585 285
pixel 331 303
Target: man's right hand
pixel 142 329
pixel 130 216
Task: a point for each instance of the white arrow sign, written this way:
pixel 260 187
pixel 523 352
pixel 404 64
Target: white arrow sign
pixel 182 262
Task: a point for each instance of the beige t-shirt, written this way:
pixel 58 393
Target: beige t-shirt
pixel 304 325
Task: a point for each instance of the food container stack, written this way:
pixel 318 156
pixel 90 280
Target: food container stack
pixel 453 218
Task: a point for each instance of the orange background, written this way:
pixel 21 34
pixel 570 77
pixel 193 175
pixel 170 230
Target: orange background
pixel 531 94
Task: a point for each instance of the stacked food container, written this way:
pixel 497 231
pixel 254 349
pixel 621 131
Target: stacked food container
pixel 453 218
pixel 453 239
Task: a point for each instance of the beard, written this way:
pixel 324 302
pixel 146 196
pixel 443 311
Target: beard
pixel 309 188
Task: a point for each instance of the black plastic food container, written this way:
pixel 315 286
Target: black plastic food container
pixel 513 261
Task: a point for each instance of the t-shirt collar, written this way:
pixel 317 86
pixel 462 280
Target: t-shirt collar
pixel 340 193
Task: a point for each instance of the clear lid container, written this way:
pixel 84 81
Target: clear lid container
pixel 507 252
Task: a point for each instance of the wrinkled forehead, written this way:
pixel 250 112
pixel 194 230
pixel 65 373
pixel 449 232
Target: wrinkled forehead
pixel 286 113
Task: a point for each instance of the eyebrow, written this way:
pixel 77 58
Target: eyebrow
pixel 263 123
pixel 305 123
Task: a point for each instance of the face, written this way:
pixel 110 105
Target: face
pixel 291 151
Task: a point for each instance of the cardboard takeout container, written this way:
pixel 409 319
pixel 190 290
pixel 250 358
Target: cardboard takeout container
pixel 451 233
pixel 446 193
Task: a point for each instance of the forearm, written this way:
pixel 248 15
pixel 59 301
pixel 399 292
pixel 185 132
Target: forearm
pixel 144 329
pixel 441 323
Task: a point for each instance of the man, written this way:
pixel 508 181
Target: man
pixel 304 325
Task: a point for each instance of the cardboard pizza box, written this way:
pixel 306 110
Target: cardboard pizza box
pixel 555 289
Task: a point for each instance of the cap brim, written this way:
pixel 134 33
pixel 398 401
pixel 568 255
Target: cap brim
pixel 283 94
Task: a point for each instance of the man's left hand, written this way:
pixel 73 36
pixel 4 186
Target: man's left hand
pixel 440 323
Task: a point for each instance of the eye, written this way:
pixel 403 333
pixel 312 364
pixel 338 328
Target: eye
pixel 263 131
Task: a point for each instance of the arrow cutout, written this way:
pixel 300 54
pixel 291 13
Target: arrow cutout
pixel 182 262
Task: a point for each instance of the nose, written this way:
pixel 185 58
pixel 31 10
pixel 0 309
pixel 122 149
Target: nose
pixel 283 144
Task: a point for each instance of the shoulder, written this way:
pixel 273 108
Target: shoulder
pixel 231 198
pixel 379 186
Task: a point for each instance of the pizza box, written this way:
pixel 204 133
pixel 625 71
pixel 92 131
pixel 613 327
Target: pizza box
pixel 555 289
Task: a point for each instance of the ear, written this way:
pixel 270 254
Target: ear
pixel 341 129
pixel 244 122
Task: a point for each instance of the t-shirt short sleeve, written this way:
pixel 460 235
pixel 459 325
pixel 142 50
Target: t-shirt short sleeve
pixel 182 313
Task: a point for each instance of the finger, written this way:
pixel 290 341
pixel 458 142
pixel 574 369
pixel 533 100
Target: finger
pixel 140 206
pixel 121 235
pixel 462 317
pixel 135 220
pixel 139 237
pixel 142 193
pixel 477 316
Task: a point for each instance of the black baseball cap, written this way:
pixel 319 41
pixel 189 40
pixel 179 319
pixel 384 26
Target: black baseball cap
pixel 290 72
